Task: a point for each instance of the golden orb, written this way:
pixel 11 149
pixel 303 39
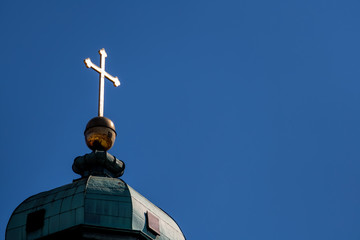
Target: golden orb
pixel 100 134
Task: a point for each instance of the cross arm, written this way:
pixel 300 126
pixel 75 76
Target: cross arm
pixel 89 64
pixel 115 80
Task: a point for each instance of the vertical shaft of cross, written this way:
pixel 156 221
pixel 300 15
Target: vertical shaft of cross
pixel 101 83
pixel 102 76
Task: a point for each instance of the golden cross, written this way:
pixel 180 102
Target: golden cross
pixel 103 74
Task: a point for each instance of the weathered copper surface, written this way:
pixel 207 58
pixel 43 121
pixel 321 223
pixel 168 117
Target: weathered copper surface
pixel 106 204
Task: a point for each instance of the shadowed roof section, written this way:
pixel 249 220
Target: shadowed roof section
pixel 107 204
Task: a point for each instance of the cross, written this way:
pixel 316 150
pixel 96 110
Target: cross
pixel 103 74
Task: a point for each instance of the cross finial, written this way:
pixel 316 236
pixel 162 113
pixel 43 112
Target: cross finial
pixel 103 74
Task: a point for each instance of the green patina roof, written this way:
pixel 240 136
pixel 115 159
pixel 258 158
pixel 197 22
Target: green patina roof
pixel 94 201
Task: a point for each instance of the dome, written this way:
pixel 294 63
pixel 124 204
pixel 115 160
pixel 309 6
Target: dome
pixel 90 208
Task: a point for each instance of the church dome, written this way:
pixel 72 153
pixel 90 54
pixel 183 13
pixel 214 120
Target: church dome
pixel 91 208
pixel 99 205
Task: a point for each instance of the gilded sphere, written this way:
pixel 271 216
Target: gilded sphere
pixel 100 134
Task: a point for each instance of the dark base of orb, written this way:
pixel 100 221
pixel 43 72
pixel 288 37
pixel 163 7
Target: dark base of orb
pixel 98 163
pixel 97 146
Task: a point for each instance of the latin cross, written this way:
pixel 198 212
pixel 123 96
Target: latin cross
pixel 103 74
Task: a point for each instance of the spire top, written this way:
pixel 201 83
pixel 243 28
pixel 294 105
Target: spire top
pixel 100 131
pixel 102 76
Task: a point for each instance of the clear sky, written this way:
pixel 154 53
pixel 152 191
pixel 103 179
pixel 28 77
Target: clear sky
pixel 238 118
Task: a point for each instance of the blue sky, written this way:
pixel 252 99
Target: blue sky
pixel 238 118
